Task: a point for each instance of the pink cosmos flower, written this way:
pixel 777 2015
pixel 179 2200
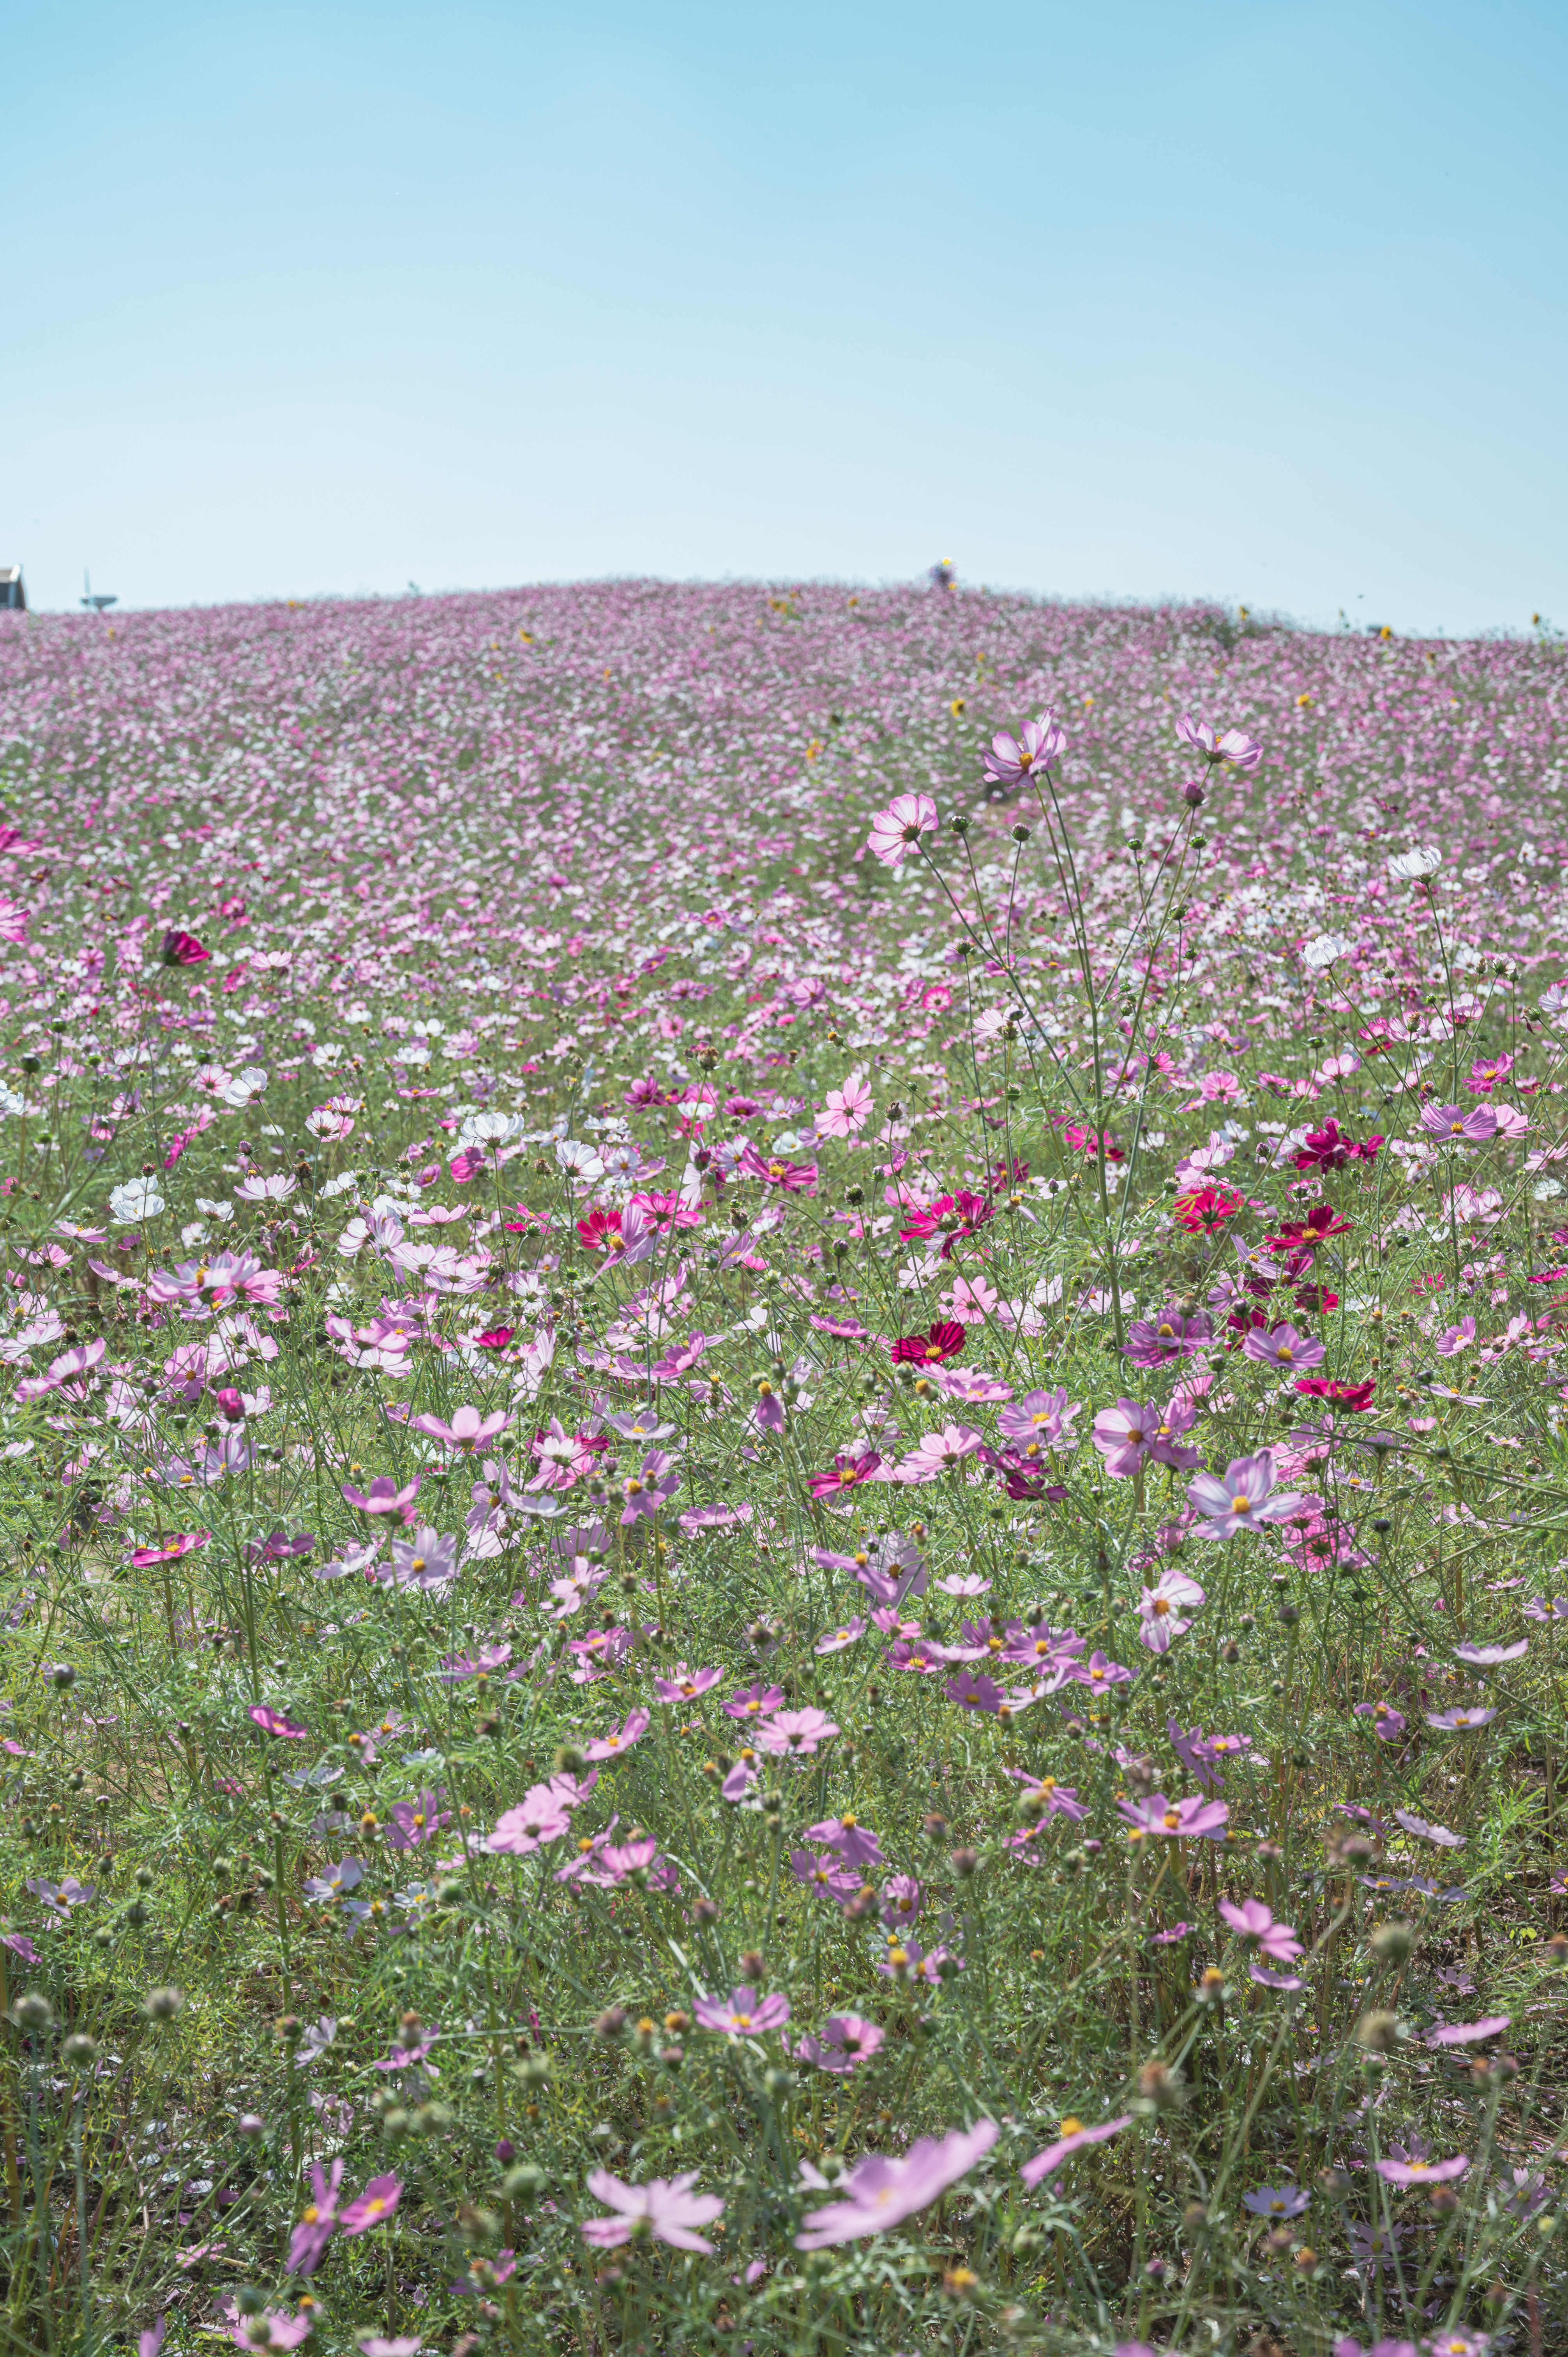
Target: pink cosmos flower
pixel 754 1702
pixel 880 2191
pixel 795 1732
pixel 973 1692
pixel 170 1550
pixel 684 1684
pixel 376 2205
pixel 1190 1820
pixel 1491 1657
pixel 384 1497
pixel 1041 1416
pixel 1074 2137
pixel 536 1820
pixel 846 2041
pixel 1100 1673
pixel 1419 2171
pixel 1160 1609
pixel 1233 745
pixel 1458 1722
pixel 1468 2033
pixel 273 1722
pixel 1013 758
pixel 411 1823
pixel 620 1738
pixel 1456 1126
pixel 778 1171
pixel 828 1877
pixel 744 2015
pixel 855 1842
pixel 1239 1499
pixel 938 1453
pixel 666 2210
pixel 837 1641
pixel 846 1110
pixel 1282 1348
pixel 314 2229
pixel 282 2332
pixel 467 1431
pixel 849 1471
pixel 896 831
pixel 1388 1724
pixel 656 1480
pixel 1156 1341
pixel 1255 1926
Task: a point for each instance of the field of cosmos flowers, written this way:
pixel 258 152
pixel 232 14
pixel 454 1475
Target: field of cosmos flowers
pixel 781 1382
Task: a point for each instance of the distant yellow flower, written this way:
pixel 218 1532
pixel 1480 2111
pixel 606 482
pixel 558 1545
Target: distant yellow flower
pixel 956 707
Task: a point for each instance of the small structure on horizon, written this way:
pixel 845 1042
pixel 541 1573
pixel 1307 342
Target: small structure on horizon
pixel 13 590
pixel 96 600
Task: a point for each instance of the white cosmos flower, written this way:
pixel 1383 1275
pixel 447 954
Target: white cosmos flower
pixel 138 1199
pixel 1425 859
pixel 245 1088
pixel 277 1189
pixel 1322 952
pixel 577 1161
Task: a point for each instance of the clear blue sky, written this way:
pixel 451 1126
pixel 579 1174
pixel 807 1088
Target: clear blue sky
pixel 1109 297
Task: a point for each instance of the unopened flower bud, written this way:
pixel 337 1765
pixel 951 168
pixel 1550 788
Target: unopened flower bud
pixel 963 1863
pixel 1193 795
pixel 1160 2086
pixel 1392 1942
pixel 752 1967
pixel 1378 2031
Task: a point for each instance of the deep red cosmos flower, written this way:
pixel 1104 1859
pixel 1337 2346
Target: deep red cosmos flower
pixel 183 948
pixel 1303 1236
pixel 1326 1150
pixel 945 1339
pixel 1354 1396
pixel 1207 1208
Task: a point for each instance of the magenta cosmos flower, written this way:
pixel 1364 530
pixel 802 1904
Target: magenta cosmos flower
pixel 666 2210
pixel 847 1473
pixel 847 2041
pixel 896 831
pixel 879 2191
pixel 1190 1820
pixel 1013 758
pixel 1074 2137
pixel 744 2015
pixel 1239 1499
